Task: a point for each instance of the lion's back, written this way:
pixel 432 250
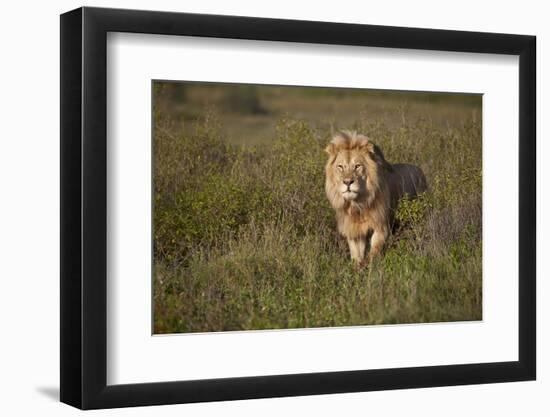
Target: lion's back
pixel 406 180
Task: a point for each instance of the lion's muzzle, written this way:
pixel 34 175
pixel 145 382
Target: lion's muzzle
pixel 349 189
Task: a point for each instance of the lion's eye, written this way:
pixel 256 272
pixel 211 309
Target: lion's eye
pixel 357 166
pixel 340 167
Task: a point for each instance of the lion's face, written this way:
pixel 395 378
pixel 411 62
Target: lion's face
pixel 353 170
pixel 350 173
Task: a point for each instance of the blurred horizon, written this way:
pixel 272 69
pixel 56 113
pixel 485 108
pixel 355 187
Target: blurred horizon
pixel 248 113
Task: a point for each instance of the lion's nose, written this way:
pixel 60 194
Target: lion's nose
pixel 348 182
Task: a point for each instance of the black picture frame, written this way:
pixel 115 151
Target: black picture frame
pixel 84 207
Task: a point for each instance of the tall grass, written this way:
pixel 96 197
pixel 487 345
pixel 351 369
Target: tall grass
pixel 245 239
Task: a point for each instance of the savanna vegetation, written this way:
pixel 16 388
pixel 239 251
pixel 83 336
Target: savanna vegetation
pixel 244 237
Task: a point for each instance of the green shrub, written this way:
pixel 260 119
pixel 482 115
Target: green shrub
pixel 412 211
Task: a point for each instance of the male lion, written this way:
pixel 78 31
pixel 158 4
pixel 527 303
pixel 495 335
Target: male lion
pixel 364 189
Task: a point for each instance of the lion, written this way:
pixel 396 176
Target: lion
pixel 364 190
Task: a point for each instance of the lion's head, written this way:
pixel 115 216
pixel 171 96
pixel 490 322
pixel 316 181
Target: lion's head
pixel 354 170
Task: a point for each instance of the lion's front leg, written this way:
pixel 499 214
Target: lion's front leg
pixel 357 248
pixel 377 242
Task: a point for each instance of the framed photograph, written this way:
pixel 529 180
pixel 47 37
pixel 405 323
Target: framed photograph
pixel 259 208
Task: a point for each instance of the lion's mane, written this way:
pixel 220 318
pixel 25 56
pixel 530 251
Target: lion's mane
pixel 373 206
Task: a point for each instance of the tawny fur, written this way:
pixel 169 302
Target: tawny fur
pixel 364 189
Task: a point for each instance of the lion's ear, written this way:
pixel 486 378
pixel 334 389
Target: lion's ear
pixel 367 146
pixel 331 149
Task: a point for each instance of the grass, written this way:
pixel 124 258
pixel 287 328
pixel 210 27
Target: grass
pixel 245 239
